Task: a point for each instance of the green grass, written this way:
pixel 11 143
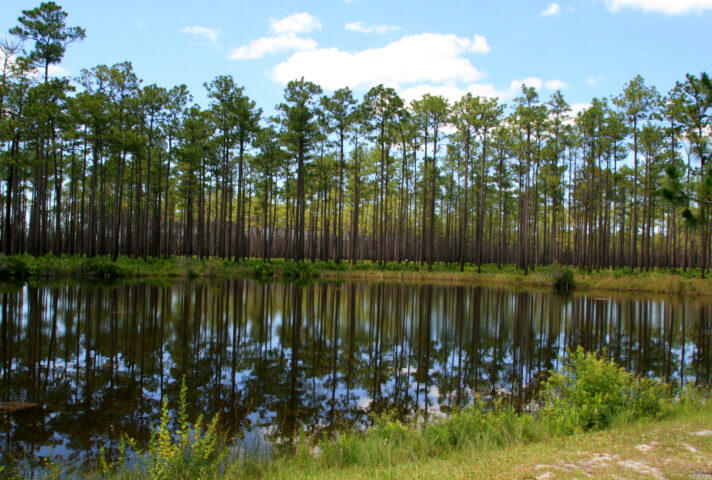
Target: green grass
pixel 81 267
pixel 657 281
pixel 590 394
pixel 621 451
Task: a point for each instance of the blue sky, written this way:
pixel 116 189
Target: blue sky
pixel 586 47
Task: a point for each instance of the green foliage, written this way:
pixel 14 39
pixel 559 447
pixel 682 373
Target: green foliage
pixel 330 265
pixel 102 267
pixel 190 450
pixel 563 278
pixel 590 392
pixel 277 269
pixel 15 266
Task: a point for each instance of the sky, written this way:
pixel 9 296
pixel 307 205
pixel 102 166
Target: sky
pixel 585 48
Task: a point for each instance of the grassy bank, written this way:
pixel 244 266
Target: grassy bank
pixel 593 417
pixel 656 281
pixel 673 448
pixel 80 267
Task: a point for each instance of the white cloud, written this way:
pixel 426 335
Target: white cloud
pixel 515 86
pixel 205 32
pixel 668 7
pixel 279 43
pixel 480 45
pixel 578 107
pixel 551 10
pixel 10 59
pixel 454 92
pixel 555 84
pixel 284 37
pixel 427 57
pixel 363 28
pixel 295 23
pixel 451 92
pixel 54 70
pixel 57 71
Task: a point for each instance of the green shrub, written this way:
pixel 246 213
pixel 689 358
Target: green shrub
pixel 102 267
pixel 189 451
pixel 591 391
pixel 16 266
pixel 563 278
pixel 330 265
pixel 296 270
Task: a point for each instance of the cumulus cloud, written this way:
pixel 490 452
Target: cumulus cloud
pixel 363 28
pixel 668 7
pixel 54 70
pixel 480 45
pixel 551 10
pixel 260 47
pixel 555 84
pixel 208 33
pixel 295 23
pixel 284 37
pixel 451 92
pixel 58 71
pixel 454 92
pixel 426 57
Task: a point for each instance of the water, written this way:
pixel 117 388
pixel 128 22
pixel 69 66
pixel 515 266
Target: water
pixel 277 358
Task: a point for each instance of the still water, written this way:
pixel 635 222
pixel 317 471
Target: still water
pixel 277 358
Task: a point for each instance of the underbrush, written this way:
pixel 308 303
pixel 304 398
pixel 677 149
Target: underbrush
pixel 563 278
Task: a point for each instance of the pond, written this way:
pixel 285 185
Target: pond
pixel 278 358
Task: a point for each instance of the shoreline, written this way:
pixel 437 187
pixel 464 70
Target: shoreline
pixel 648 448
pixel 605 281
pixel 594 419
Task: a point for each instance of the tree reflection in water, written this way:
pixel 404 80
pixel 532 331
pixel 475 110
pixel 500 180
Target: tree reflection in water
pixel 273 359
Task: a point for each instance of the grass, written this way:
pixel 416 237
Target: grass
pixel 650 449
pixel 623 280
pixel 607 280
pixel 81 267
pixel 594 419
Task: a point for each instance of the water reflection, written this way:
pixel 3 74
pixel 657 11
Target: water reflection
pixel 276 358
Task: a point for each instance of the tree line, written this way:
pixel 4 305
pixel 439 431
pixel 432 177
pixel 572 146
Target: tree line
pixel 105 165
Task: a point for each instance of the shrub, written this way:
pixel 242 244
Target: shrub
pixel 591 391
pixel 189 451
pixel 563 278
pixel 296 270
pixel 16 266
pixel 259 268
pixel 102 267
